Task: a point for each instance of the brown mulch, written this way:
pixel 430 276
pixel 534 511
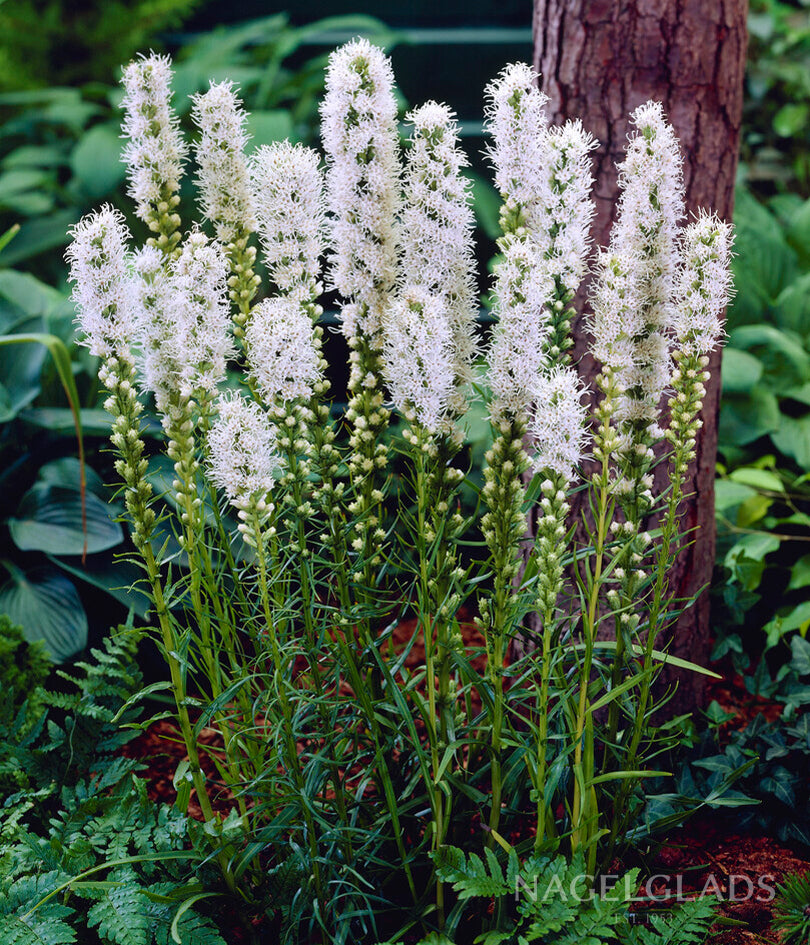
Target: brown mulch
pixel 744 868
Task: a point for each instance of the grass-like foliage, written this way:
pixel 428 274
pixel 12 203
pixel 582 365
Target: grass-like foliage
pixel 791 910
pixel 294 538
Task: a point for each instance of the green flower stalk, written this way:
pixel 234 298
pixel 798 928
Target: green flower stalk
pixel 106 298
pixel 702 294
pixel 558 437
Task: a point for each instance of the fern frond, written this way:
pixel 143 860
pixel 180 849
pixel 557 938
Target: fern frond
pixel 35 929
pixel 471 877
pixel 121 913
pixel 686 924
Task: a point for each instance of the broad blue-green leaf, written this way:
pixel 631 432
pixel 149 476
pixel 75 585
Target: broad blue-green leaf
pixel 45 604
pixel 793 439
pixel 116 577
pixel 781 352
pixel 792 309
pixel 66 472
pixel 269 126
pixel 26 294
pixel 20 371
pixel 798 233
pixel 20 179
pixel 745 419
pixel 740 371
pixel 49 519
pixel 95 422
pixel 96 161
pixel 39 235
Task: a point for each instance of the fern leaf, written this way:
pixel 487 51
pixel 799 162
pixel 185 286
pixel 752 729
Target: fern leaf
pixel 122 911
pixel 471 877
pixel 35 929
pixel 687 924
pixel 193 929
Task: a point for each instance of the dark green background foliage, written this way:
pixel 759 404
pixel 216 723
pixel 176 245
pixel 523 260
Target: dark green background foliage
pixel 69 43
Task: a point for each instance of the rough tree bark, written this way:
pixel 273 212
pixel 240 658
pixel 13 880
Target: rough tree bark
pixel 598 60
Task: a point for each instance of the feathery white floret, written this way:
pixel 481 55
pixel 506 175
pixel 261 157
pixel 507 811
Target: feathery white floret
pixel 223 177
pixel 634 294
pixel 104 290
pixel 158 336
pixel 523 288
pixel 704 284
pixel 199 311
pixel 558 427
pixel 437 228
pixel 241 450
pixel 360 139
pixel 650 209
pixel 560 218
pixel 516 119
pixel 623 341
pixel 289 204
pixel 155 151
pixel 281 351
pixel 419 357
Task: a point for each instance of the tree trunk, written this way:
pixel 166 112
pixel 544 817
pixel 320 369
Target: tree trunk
pixel 598 60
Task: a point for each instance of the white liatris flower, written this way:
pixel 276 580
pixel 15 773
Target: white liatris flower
pixel 437 227
pixel 241 451
pixel 359 130
pixel 650 209
pixel 155 152
pixel 199 311
pixel 637 277
pixel 223 177
pixel 283 359
pixel 289 204
pixel 523 288
pixel 418 357
pixel 516 119
pixel 158 336
pixel 104 291
pixel 560 218
pixel 616 318
pixel 704 284
pixel 558 428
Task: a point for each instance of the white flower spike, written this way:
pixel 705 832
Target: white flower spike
pixel 223 177
pixel 155 152
pixel 104 291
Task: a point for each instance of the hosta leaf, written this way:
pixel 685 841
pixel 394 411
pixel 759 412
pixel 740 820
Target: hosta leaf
pixel 96 161
pixel 49 519
pixel 45 604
